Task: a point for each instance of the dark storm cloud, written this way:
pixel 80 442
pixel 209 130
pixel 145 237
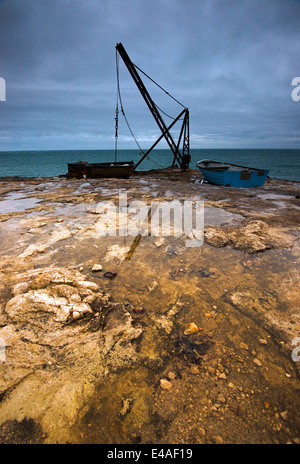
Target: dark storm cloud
pixel 230 62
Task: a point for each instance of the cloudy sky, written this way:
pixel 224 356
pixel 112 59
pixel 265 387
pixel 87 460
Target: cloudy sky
pixel 231 62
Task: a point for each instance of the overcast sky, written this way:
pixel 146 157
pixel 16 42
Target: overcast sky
pixel 231 62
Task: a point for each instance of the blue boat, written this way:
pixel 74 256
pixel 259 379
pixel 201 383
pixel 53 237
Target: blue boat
pixel 231 175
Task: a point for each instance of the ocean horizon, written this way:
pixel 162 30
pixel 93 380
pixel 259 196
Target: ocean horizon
pixel 281 163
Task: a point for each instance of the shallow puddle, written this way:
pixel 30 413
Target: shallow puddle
pixel 16 202
pixel 217 216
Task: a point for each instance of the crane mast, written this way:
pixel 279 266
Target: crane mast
pixel 181 155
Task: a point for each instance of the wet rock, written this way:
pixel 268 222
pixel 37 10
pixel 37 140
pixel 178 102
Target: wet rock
pixel 126 407
pixel 138 310
pixel 116 252
pixel 174 250
pixel 177 273
pixel 43 313
pixel 192 349
pixel 57 235
pixel 167 322
pixel 26 431
pixel 32 250
pixel 205 273
pixel 253 237
pixel 159 242
pixel 118 335
pixel 153 286
pixel 110 275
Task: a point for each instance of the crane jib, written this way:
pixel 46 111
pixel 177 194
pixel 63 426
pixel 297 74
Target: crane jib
pixel 181 155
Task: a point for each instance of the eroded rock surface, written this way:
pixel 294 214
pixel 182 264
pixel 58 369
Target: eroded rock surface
pixel 61 334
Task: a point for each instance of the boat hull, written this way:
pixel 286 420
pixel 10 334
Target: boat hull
pixel 232 175
pixel 100 170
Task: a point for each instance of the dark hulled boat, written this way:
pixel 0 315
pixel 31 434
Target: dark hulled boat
pixel 82 169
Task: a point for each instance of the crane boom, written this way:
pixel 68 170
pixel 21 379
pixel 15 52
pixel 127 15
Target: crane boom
pixel 181 156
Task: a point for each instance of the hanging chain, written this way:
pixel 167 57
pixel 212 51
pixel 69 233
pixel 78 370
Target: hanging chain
pixel 117 111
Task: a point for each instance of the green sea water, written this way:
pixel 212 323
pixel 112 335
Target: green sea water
pixel 282 163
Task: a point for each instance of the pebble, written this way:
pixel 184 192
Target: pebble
pixel 257 362
pixel 195 370
pixel 76 315
pixel 284 415
pixel 191 328
pixel 97 267
pixel 218 440
pixel 159 242
pixel 202 432
pixel 221 398
pixel 165 384
pixel 222 376
pixel 262 341
pixel 244 346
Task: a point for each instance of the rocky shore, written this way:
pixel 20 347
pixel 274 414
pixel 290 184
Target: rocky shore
pixel 121 339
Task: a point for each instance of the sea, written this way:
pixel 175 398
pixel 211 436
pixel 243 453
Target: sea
pixel 281 163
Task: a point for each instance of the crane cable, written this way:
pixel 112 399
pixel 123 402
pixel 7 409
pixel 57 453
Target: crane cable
pixel 121 103
pixel 159 86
